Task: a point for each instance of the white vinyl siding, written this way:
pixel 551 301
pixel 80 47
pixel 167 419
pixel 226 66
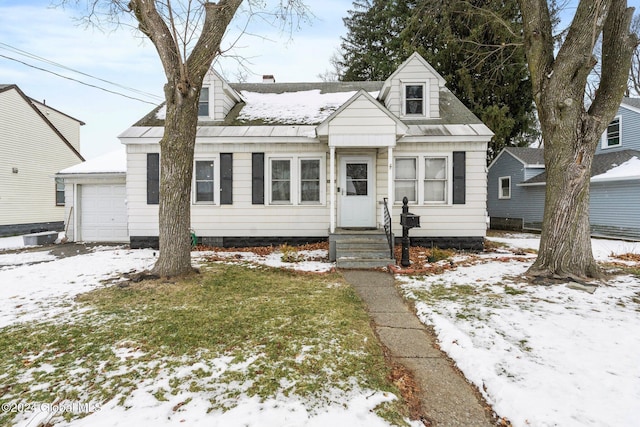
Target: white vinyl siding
pixel 445 219
pixel 29 146
pixel 67 126
pixel 242 218
pixel 414 72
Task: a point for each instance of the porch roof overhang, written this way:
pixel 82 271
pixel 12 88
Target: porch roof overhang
pixel 362 121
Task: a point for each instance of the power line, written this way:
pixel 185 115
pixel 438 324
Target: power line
pixel 78 81
pixel 48 61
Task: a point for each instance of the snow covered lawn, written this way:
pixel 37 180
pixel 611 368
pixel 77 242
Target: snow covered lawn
pixel 244 346
pixel 541 356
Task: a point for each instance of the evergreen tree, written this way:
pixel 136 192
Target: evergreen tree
pixel 475 45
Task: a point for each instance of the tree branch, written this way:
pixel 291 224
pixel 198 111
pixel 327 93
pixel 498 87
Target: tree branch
pixel 618 45
pixel 538 41
pixel 153 26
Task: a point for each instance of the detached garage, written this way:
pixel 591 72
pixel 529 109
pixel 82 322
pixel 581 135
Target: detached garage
pixel 95 199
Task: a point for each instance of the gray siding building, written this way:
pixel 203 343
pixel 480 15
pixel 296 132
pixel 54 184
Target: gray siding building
pixel 517 182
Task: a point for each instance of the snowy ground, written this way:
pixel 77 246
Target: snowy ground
pixel 542 356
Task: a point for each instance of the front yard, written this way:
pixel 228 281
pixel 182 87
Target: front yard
pixel 235 345
pixel 251 342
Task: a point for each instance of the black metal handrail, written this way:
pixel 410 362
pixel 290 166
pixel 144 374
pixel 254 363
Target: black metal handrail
pixel 387 226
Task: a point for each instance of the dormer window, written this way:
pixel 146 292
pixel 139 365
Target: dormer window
pixel 203 104
pixel 414 99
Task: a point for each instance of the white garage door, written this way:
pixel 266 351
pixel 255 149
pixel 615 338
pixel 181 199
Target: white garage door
pixel 103 215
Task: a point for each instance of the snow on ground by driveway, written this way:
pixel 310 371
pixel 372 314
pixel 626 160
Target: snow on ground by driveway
pixel 541 356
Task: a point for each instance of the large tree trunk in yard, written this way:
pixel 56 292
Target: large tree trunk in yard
pixel 176 172
pixel 571 131
pixel 565 244
pixel 185 74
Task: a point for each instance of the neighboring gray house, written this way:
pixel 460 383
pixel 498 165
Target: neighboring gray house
pixel 302 162
pixel 516 182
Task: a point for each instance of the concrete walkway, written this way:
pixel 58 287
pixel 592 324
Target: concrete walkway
pixel 447 398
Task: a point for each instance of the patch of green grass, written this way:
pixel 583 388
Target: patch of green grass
pixel 276 331
pixel 513 291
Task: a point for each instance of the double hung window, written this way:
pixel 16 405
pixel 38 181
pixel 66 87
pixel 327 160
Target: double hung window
pixel 422 179
pixel 204 182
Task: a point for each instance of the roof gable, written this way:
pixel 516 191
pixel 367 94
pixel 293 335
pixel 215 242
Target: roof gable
pixel 30 103
pixel 529 157
pixel 415 58
pixel 323 128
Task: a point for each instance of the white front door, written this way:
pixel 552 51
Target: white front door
pixel 357 198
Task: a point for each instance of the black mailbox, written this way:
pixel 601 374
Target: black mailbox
pixel 409 220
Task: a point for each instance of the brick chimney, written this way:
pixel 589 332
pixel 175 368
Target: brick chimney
pixel 268 78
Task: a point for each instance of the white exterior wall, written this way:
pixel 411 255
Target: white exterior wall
pixel 219 103
pixel 449 220
pixel 241 218
pixel 414 72
pixel 29 144
pixel 68 127
pixel 72 189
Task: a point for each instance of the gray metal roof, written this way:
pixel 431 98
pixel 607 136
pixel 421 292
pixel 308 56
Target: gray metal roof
pixel 601 164
pixel 452 110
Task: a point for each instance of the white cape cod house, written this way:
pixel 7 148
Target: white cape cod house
pixel 300 162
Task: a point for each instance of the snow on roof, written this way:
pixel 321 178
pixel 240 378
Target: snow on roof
pixel 112 162
pixel 310 106
pixel 627 170
pixel 303 107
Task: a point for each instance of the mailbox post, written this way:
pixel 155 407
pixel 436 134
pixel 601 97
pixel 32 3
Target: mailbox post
pixel 408 221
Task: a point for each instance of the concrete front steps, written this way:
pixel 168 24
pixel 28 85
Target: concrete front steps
pixel 360 249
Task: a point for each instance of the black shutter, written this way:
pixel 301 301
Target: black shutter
pixel 257 178
pixel 226 178
pixel 153 178
pixel 459 178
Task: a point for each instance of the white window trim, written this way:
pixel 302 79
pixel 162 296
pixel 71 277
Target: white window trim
pixel 292 189
pixel 211 89
pixel 500 196
pixel 322 179
pixel 425 99
pixel 296 191
pixel 416 179
pixel 215 159
pixel 421 170
pixel 605 140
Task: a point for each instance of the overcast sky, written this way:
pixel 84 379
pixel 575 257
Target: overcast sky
pixel 125 58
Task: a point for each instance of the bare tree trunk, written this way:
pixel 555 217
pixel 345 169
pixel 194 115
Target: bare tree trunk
pixel 176 171
pixel 570 131
pixel 185 74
